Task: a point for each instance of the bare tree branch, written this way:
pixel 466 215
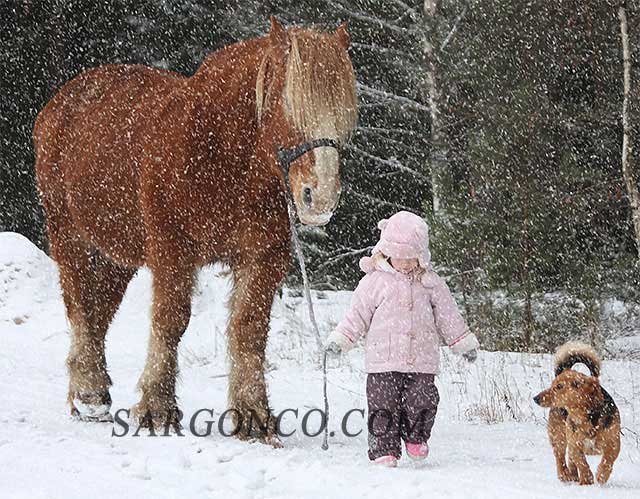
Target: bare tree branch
pixel 363 16
pixel 388 139
pixel 371 105
pixel 393 97
pixel 391 163
pixel 386 130
pixel 374 200
pixel 401 17
pixel 415 15
pixel 385 50
pixel 454 28
pixel 340 256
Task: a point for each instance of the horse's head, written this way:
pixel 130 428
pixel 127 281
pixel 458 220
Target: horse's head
pixel 305 90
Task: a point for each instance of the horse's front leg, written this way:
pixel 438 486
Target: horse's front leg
pixel 172 288
pixel 255 284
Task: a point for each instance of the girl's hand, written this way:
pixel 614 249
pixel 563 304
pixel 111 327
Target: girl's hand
pixel 337 343
pixel 471 355
pixel 333 348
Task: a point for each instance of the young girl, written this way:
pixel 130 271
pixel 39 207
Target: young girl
pixel 404 309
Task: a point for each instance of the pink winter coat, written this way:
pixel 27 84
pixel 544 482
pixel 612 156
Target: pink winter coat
pixel 404 318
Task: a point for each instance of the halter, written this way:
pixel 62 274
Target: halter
pixel 288 156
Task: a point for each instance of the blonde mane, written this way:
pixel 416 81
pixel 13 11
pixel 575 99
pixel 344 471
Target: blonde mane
pixel 319 91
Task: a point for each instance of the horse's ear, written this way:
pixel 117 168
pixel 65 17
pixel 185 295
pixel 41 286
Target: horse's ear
pixel 278 34
pixel 343 35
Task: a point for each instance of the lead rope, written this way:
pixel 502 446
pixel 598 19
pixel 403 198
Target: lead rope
pixel 286 157
pixel 307 292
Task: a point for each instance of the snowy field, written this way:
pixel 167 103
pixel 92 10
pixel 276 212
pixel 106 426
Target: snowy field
pixel 489 439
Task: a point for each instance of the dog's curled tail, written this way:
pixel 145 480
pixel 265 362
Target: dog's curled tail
pixel 574 352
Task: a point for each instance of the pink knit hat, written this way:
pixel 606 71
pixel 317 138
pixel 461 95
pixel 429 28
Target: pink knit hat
pixel 404 235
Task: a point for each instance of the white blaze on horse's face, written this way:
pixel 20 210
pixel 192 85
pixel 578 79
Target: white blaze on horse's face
pixel 318 200
pixel 315 180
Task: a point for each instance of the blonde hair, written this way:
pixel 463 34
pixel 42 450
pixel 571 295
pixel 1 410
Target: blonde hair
pixel 380 256
pixel 319 90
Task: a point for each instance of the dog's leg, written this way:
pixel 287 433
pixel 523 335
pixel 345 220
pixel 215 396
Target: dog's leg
pixel 556 428
pixel 572 471
pixel 572 467
pixel 578 459
pixel 609 455
pixel 559 451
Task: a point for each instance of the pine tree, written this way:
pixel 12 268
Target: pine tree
pixel 535 189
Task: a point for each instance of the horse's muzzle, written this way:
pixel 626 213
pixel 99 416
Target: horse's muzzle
pixel 316 220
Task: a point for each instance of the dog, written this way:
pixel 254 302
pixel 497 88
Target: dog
pixel 584 419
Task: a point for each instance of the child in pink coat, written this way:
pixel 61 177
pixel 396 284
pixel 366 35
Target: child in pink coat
pixel 405 309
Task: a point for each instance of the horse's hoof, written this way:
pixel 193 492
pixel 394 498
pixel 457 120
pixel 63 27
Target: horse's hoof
pixel 274 441
pixel 264 438
pixel 157 419
pixel 91 413
pixel 92 406
pixel 268 435
pixel 159 422
pixel 102 418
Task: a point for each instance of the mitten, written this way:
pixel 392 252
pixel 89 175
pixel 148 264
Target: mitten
pixel 471 355
pixel 333 348
pixel 337 343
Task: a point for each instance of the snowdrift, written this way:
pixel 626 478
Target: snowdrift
pixel 489 439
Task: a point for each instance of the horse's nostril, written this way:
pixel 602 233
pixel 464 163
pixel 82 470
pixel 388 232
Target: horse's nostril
pixel 306 196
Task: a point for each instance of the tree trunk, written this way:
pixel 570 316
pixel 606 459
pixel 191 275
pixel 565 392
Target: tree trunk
pixel 627 166
pixel 439 153
pixel 526 246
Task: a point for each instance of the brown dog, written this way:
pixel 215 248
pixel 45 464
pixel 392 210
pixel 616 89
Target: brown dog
pixel 584 418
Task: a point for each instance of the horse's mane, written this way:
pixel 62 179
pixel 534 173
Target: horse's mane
pixel 319 90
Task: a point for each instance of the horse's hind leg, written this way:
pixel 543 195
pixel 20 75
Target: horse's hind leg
pixel 255 284
pixel 93 288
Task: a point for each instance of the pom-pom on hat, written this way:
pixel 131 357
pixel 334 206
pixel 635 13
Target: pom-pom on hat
pixel 404 235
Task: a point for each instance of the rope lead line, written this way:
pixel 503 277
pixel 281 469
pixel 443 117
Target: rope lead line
pixel 286 157
pixel 307 293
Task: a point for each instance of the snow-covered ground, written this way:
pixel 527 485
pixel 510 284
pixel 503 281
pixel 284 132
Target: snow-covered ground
pixel 489 439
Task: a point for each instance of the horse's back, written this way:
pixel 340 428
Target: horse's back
pixel 91 90
pixel 89 141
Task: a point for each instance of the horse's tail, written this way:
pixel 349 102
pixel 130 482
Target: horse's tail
pixel 574 352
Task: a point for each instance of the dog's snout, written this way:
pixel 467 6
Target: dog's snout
pixel 536 399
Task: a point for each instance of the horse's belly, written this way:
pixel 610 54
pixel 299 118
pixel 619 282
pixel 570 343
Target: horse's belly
pixel 105 207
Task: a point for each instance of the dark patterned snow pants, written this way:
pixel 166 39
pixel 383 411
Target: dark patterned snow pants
pixel 402 406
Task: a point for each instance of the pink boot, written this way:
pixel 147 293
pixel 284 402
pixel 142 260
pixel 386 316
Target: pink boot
pixel 388 461
pixel 417 451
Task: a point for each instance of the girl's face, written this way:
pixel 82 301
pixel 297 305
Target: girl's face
pixel 404 265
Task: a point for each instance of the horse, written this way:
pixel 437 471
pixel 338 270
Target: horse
pixel 138 166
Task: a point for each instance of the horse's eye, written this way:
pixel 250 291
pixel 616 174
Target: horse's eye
pixel 306 196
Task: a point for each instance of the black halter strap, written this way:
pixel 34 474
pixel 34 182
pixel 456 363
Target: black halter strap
pixel 288 156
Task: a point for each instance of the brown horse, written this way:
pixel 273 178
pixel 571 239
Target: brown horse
pixel 138 166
